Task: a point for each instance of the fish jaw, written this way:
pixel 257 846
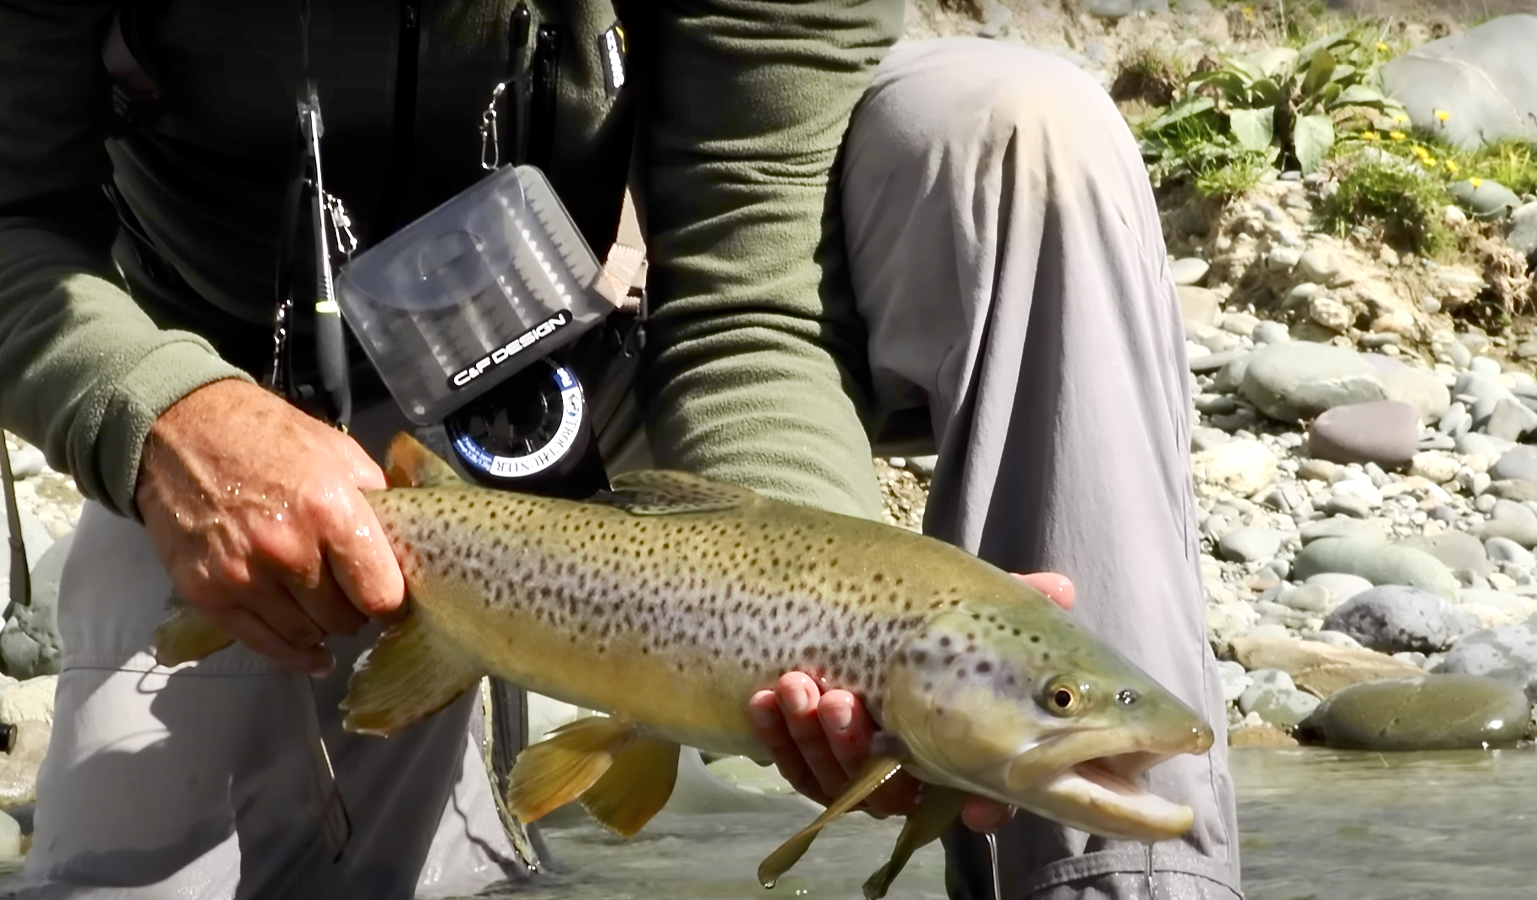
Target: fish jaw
pixel 969 698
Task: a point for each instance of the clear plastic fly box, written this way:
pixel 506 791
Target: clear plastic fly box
pixel 488 282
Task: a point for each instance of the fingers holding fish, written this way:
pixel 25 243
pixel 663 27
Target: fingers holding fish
pixel 1057 588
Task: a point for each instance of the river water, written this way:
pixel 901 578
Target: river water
pixel 1316 825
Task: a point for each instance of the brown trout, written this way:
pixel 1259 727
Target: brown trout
pixel 669 600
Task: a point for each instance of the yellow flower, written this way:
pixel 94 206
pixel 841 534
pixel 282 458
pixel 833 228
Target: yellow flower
pixel 1248 13
pixel 1369 135
pixel 1396 135
pixel 1443 115
pixel 1381 47
pixel 1428 160
pixel 1452 167
pixel 1476 182
pixel 1421 152
pixel 1400 117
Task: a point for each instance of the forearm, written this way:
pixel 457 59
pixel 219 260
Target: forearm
pixel 757 353
pixel 83 372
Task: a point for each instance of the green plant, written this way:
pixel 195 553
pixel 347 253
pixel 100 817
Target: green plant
pixel 1405 204
pixel 1283 108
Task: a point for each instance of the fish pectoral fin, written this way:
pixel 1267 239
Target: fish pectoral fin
pixel 563 766
pixel 635 787
pixel 409 674
pixel 409 464
pixel 936 811
pixel 187 635
pixel 657 492
pixel 877 769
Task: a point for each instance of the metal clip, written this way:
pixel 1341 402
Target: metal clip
pixel 341 226
pixel 490 141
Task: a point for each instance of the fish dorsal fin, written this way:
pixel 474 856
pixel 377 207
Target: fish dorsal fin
pixel 409 464
pixel 659 492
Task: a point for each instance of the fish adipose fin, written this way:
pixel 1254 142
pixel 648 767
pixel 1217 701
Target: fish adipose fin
pixel 657 492
pixel 405 677
pixel 409 464
pixel 187 635
pixel 877 769
pixel 620 777
pixel 935 814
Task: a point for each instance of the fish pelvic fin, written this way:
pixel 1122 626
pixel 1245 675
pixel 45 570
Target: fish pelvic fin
pixel 875 772
pixel 187 635
pixel 564 766
pixel 409 674
pixel 936 811
pixel 409 464
pixel 658 492
pixel 635 787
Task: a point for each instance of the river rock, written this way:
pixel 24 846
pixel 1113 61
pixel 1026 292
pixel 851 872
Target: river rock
pixel 1429 712
pixel 10 837
pixel 1521 231
pixel 29 645
pixel 1456 549
pixel 1250 545
pixel 29 701
pixel 1300 380
pixel 1316 667
pixel 1517 462
pixel 1483 78
pixel 1385 432
pixel 1240 467
pixel 1199 305
pixel 1420 388
pixel 1279 705
pixel 1341 587
pixel 1378 562
pixel 1395 618
pixel 1343 527
pixel 1319 265
pixel 1507 652
pixel 1520 531
pixel 1514 489
pixel 1510 420
pixel 18 769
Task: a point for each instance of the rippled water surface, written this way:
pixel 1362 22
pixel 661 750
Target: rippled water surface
pixel 1316 824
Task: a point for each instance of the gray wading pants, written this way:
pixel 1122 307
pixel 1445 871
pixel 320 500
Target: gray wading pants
pixel 1009 263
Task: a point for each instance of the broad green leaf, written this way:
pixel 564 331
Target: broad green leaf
pixel 1247 68
pixel 1265 92
pixel 1344 73
pixel 1254 129
pixel 1312 137
pixel 1230 83
pixel 1184 109
pixel 1327 42
pixel 1320 68
pixel 1331 93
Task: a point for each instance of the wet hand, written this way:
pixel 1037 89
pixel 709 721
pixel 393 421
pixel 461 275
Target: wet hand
pixel 820 741
pixel 256 510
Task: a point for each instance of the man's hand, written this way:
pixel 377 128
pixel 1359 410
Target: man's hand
pixel 256 511
pixel 820 741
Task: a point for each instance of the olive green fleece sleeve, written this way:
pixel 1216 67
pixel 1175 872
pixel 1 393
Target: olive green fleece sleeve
pixel 756 365
pixel 83 372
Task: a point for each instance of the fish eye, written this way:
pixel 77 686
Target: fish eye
pixel 1063 698
pixel 1128 698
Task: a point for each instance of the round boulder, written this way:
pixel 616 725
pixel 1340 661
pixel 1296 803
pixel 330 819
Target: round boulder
pixel 1378 562
pixel 1432 712
pixel 1300 380
pixel 1385 432
pixel 1396 618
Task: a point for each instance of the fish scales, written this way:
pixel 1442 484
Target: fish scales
pixel 698 610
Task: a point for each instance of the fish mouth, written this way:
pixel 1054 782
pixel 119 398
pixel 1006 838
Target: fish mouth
pixel 1098 791
pixel 1102 796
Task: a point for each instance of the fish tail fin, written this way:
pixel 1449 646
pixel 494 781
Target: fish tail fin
pixel 409 674
pixel 187 635
pixel 620 777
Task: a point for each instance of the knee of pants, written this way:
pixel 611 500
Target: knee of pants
pixel 967 104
